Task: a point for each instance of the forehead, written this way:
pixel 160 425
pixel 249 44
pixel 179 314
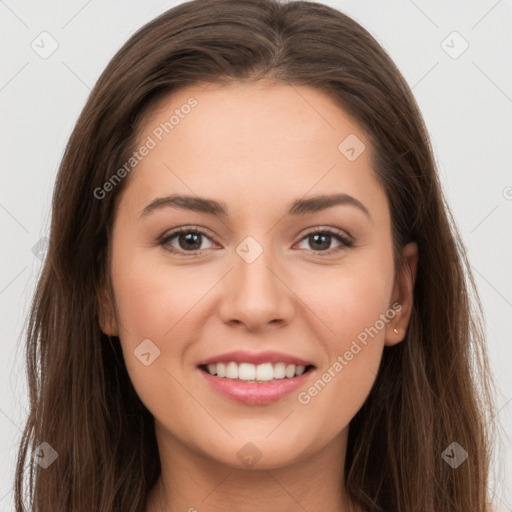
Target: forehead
pixel 252 141
pixel 251 116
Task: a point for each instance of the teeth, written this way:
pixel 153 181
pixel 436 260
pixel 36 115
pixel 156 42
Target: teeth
pixel 290 371
pixel 279 370
pixel 221 369
pixel 246 371
pixel 232 370
pixel 252 372
pixel 300 370
pixel 264 371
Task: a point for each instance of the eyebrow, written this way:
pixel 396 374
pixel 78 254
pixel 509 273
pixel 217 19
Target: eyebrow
pixel 298 207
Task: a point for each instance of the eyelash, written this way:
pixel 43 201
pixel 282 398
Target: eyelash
pixel 343 239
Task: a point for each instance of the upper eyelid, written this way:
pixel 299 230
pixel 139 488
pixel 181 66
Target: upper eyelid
pixel 173 232
pixel 203 231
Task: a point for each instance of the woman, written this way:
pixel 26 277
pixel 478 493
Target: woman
pixel 191 347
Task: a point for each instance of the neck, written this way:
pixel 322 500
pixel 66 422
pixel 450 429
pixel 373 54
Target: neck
pixel 193 482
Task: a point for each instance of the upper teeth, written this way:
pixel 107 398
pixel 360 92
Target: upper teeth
pixel 248 371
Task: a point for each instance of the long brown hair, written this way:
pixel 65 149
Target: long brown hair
pixel 432 390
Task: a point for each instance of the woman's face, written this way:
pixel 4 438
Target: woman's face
pixel 256 280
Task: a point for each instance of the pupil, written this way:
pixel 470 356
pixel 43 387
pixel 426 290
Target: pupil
pixel 316 236
pixel 191 237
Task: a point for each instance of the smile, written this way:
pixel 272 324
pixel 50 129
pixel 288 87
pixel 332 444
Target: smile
pixel 255 378
pixel 249 372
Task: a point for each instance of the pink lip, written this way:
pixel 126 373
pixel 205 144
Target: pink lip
pixel 242 356
pixel 253 393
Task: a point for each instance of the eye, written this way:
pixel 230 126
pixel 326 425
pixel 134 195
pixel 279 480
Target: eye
pixel 320 239
pixel 188 240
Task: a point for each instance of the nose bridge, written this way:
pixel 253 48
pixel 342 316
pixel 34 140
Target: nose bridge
pixel 255 294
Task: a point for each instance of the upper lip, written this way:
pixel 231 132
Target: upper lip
pixel 242 356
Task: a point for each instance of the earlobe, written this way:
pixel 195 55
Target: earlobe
pixel 107 317
pixel 403 295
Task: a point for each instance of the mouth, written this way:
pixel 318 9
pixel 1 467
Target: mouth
pixel 255 379
pixel 255 373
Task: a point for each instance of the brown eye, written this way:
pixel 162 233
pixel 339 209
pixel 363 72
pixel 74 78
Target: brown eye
pixel 188 240
pixel 320 241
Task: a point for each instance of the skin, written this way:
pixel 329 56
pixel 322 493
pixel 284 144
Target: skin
pixel 256 147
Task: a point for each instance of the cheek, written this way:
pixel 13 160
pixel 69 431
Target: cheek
pixel 149 314
pixel 153 299
pixel 351 298
pixel 359 306
pixel 357 311
pixel 150 305
pixel 166 305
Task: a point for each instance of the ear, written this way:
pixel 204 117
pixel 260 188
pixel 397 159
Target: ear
pixel 107 316
pixel 402 296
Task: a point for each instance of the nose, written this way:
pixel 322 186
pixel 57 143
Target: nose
pixel 256 294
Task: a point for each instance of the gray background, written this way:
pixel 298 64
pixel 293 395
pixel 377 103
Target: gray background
pixel 466 101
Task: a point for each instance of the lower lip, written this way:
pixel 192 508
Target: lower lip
pixel 255 394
